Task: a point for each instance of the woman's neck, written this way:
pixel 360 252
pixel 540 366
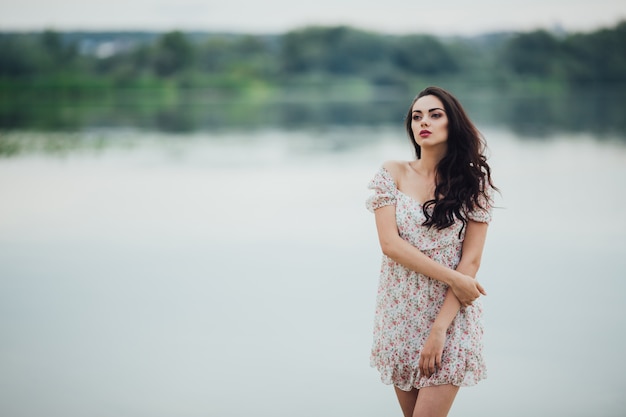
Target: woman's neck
pixel 429 159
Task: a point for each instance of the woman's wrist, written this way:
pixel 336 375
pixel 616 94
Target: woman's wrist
pixel 438 328
pixel 454 279
pixel 451 277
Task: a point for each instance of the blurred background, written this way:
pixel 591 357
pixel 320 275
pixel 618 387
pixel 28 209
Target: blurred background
pixel 182 187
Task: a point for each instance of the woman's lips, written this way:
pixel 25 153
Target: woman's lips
pixel 424 133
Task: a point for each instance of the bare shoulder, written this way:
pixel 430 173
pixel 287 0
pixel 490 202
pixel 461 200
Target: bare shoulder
pixel 397 169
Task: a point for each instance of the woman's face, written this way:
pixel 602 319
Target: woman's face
pixel 429 122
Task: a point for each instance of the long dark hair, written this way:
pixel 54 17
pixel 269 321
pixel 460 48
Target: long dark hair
pixel 463 174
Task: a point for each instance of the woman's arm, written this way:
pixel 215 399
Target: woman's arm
pixel 473 244
pixel 463 285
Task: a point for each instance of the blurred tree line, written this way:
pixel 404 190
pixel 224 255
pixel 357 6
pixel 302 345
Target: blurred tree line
pixel 313 55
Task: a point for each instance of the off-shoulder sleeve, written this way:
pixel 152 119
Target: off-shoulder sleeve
pixel 483 214
pixel 385 191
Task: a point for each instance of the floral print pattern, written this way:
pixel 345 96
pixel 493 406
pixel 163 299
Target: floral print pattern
pixel 407 302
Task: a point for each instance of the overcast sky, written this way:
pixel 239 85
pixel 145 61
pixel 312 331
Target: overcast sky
pixel 441 17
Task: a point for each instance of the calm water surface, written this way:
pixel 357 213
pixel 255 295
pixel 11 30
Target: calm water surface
pixel 229 274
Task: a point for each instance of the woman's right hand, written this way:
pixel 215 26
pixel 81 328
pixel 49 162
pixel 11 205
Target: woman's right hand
pixel 466 289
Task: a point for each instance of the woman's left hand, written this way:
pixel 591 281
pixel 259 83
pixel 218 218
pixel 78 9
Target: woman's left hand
pixel 430 358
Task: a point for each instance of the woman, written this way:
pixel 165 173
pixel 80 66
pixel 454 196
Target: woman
pixel 431 216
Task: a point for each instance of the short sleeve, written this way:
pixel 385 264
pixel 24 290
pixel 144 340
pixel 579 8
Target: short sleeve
pixel 385 191
pixel 483 214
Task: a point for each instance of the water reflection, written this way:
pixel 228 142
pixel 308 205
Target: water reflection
pixel 537 115
pixel 193 264
pixel 533 115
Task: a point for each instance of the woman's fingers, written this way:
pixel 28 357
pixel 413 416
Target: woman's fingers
pixel 467 289
pixel 430 357
pixel 423 364
pixel 429 365
pixel 473 297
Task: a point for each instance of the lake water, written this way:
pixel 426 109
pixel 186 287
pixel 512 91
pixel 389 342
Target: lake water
pixel 233 273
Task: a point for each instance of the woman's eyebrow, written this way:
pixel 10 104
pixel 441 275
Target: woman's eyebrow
pixel 429 110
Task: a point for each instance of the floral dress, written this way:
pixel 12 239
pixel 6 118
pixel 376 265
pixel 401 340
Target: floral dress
pixel 407 302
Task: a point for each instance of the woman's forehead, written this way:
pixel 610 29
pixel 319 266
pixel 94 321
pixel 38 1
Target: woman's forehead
pixel 427 103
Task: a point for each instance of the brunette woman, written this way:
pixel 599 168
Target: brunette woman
pixel 432 215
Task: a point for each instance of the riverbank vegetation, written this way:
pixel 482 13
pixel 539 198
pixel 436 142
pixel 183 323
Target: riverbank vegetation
pixel 183 81
pixel 310 57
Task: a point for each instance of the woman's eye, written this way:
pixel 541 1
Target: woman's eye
pixel 436 115
pixel 416 117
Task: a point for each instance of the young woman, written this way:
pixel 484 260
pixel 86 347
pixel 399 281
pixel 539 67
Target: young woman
pixel 431 216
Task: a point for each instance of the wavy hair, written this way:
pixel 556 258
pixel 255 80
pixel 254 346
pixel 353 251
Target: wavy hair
pixel 463 175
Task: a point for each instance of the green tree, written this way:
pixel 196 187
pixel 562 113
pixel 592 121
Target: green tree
pixel 423 54
pixel 598 57
pixel 536 54
pixel 17 56
pixel 254 57
pixel 332 50
pixel 57 55
pixel 173 54
pixel 216 55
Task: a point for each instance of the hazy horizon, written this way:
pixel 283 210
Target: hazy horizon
pixel 455 17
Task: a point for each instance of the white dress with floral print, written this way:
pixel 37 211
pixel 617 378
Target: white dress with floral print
pixel 407 302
